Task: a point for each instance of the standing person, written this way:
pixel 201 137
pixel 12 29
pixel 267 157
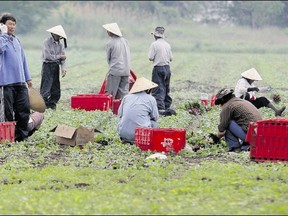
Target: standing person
pixel 235 117
pixel 14 77
pixel 137 109
pixel 54 59
pixel 246 89
pixel 161 55
pixel 118 58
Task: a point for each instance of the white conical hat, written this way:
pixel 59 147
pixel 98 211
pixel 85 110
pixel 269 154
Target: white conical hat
pixel 142 84
pixel 113 27
pixel 251 74
pixel 58 30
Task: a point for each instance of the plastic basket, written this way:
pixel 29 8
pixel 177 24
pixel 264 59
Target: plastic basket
pixel 160 139
pixel 90 102
pixel 115 106
pixel 268 140
pixel 7 131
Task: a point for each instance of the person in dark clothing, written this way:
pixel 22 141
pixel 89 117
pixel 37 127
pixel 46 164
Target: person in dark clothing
pixel 14 77
pixel 161 55
pixel 235 117
pixel 53 58
pixel 246 89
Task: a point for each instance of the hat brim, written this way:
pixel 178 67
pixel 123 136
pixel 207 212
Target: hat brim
pixel 37 102
pixel 158 35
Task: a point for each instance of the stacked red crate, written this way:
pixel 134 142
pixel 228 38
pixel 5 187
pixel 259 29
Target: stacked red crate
pixel 7 131
pixel 268 140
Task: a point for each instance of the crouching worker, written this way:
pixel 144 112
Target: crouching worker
pixel 137 109
pixel 35 122
pixel 37 109
pixel 235 116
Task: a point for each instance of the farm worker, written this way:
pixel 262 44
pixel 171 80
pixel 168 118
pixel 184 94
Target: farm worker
pixel 160 54
pixel 53 59
pixel 235 116
pixel 118 58
pixel 35 121
pixel 37 107
pixel 246 89
pixel 137 109
pixel 15 76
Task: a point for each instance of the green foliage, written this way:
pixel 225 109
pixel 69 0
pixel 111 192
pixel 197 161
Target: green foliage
pixel 256 15
pixel 33 16
pixel 28 13
pixel 39 176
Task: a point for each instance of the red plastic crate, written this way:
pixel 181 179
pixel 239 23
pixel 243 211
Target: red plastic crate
pixel 115 106
pixel 160 139
pixel 90 102
pixel 213 99
pixel 268 140
pixel 7 131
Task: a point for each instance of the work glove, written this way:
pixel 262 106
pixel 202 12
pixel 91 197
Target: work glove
pixel 3 28
pixel 63 73
pixel 253 89
pixel 215 138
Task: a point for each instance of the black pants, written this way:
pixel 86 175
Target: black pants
pixel 50 84
pixel 161 75
pixel 260 102
pixel 17 108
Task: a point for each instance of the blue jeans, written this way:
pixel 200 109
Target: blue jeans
pixel 233 134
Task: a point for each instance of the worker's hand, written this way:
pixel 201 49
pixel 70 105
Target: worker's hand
pixel 63 73
pixel 3 28
pixel 29 83
pixel 215 138
pixel 63 57
pixel 253 89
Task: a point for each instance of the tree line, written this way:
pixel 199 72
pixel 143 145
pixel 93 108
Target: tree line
pixel 254 14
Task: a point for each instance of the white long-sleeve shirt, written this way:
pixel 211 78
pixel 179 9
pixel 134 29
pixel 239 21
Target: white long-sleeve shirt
pixel 242 86
pixel 118 56
pixel 51 52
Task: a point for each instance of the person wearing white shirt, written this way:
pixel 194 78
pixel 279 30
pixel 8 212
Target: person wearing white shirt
pixel 246 89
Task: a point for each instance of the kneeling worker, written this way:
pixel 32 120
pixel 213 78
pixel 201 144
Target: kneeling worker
pixel 235 116
pixel 137 109
pixel 37 107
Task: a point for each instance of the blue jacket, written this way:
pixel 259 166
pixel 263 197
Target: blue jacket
pixel 13 65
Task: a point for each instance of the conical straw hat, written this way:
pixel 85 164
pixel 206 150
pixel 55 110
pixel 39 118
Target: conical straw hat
pixel 251 74
pixel 58 30
pixel 113 27
pixel 142 84
pixel 37 102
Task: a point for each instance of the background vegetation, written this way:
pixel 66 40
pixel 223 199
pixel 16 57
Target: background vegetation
pixel 39 176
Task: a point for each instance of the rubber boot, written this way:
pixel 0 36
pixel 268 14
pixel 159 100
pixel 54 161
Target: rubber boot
pixel 278 112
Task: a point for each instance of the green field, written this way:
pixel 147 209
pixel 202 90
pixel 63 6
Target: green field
pixel 39 176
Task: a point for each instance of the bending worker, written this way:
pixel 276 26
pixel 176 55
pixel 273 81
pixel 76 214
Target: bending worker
pixel 235 117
